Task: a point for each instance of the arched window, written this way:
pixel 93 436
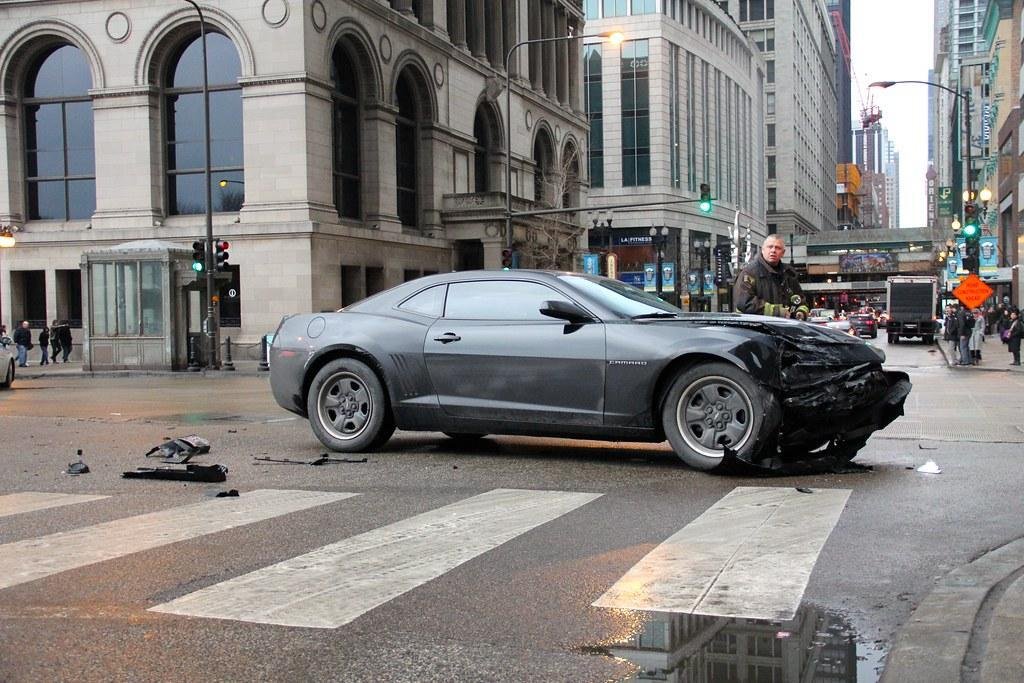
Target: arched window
pixel 483 145
pixel 186 136
pixel 346 133
pixel 570 180
pixel 543 159
pixel 59 150
pixel 406 152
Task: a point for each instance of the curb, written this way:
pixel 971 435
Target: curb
pixel 933 645
pixel 78 372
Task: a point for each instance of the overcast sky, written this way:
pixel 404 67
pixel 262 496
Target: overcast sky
pixel 891 40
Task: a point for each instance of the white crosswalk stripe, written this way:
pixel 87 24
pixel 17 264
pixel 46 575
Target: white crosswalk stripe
pixel 337 583
pixel 32 559
pixel 749 555
pixel 31 501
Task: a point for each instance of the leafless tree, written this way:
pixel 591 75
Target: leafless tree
pixel 552 240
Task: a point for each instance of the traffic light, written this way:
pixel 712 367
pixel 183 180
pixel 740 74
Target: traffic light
pixel 705 198
pixel 971 228
pixel 506 259
pixel 222 255
pixel 198 256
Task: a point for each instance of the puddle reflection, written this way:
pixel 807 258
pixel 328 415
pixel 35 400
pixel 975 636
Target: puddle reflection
pixel 814 646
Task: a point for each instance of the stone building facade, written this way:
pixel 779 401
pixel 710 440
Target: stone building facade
pixel 354 144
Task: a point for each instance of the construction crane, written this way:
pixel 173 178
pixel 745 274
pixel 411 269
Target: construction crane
pixel 869 112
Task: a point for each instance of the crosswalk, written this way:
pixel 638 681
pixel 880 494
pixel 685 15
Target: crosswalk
pixel 748 555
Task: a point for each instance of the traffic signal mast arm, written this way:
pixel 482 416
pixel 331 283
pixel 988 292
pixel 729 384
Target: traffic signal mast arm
pixel 604 207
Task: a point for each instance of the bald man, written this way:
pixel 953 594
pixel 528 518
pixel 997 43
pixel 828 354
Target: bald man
pixel 767 286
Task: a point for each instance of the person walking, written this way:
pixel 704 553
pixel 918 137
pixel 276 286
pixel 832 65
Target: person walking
pixel 951 334
pixel 54 341
pixel 44 345
pixel 64 336
pixel 977 337
pixel 1016 332
pixel 23 340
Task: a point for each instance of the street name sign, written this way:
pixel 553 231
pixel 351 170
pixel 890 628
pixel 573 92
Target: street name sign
pixel 973 291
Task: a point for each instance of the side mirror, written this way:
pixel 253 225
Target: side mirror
pixel 567 311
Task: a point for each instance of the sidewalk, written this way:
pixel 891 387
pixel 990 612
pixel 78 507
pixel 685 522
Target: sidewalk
pixel 994 357
pixel 75 369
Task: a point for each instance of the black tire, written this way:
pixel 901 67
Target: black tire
pixel 929 339
pixel 348 407
pixel 892 339
pixel 724 398
pixel 8 376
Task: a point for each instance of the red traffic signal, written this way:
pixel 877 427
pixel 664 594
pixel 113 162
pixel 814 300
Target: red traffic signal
pixel 506 259
pixel 222 255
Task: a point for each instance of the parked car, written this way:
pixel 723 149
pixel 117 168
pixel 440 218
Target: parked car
pixel 570 355
pixel 7 354
pixel 864 325
pixel 820 316
pixel 841 325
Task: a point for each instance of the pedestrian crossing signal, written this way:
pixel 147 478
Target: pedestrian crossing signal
pixel 198 256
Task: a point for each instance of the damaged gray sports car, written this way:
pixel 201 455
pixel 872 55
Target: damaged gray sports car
pixel 570 355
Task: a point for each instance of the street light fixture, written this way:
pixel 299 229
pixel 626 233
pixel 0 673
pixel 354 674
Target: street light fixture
pixel 703 248
pixel 614 37
pixel 966 97
pixel 605 226
pixel 658 239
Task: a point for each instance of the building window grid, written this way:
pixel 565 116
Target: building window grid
pixel 718 130
pixel 636 139
pixel 705 118
pixel 594 107
pixel 72 166
pixel 673 115
pixel 691 131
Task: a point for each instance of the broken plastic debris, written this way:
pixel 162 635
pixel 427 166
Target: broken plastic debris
pixel 184 446
pixel 930 468
pixel 322 460
pixel 77 467
pixel 801 489
pixel 205 473
pixel 233 493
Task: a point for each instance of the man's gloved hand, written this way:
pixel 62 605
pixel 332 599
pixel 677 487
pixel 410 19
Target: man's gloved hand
pixel 802 312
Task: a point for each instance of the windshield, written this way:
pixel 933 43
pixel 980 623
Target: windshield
pixel 624 300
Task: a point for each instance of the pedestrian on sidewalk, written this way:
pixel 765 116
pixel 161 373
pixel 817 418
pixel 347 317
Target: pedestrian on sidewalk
pixel 977 337
pixel 1016 332
pixel 44 345
pixel 64 336
pixel 23 340
pixel 54 341
pixel 964 326
pixel 951 335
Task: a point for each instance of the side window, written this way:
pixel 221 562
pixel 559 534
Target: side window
pixel 429 302
pixel 498 300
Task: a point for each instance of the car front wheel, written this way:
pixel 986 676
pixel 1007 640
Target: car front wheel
pixel 8 376
pixel 713 406
pixel 348 407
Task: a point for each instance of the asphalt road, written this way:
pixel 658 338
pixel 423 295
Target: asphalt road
pixel 518 608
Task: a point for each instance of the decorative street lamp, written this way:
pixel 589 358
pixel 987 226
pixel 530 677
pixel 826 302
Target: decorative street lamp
pixel 615 37
pixel 605 226
pixel 658 239
pixel 703 248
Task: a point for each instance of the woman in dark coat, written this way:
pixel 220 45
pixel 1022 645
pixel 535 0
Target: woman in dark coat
pixel 1016 332
pixel 44 344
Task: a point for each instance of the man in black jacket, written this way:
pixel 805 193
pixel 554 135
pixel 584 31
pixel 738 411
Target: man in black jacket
pixel 951 334
pixel 767 286
pixel 964 327
pixel 23 340
pixel 64 335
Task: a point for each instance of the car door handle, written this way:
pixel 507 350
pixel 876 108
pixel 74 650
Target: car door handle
pixel 448 337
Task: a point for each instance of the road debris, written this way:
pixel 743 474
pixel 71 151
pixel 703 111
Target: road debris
pixel 930 468
pixel 182 448
pixel 233 493
pixel 75 468
pixel 200 473
pixel 322 460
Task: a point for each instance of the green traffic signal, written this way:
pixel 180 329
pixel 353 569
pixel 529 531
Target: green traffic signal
pixel 705 198
pixel 970 229
pixel 197 266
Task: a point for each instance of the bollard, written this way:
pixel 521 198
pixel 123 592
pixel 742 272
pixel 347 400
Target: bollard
pixel 193 352
pixel 264 366
pixel 227 364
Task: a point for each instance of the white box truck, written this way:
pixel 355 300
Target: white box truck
pixel 911 303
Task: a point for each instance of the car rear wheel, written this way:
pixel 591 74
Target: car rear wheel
pixel 348 407
pixel 711 406
pixel 8 376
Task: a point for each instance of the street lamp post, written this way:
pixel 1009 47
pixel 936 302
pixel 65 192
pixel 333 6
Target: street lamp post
pixel 966 97
pixel 210 333
pixel 615 38
pixel 702 246
pixel 605 226
pixel 658 239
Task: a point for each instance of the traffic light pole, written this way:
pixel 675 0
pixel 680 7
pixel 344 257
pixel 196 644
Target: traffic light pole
pixel 210 326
